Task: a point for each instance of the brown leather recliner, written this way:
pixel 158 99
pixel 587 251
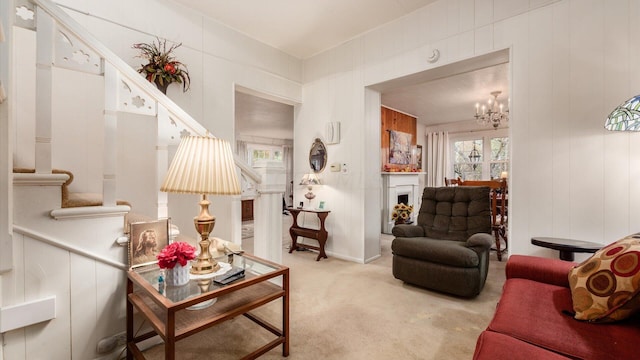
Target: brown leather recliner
pixel 448 249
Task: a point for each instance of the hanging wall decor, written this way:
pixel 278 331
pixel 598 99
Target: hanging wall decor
pixel 399 147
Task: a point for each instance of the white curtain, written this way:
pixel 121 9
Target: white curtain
pixel 437 157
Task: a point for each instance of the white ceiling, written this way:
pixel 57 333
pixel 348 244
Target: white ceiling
pixel 303 28
pixel 264 118
pixel 452 98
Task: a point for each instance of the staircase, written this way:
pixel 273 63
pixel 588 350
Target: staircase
pixel 118 146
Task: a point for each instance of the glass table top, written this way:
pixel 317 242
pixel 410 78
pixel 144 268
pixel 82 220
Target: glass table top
pixel 201 284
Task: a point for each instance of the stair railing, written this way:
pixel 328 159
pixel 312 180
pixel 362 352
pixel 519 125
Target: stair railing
pixel 62 42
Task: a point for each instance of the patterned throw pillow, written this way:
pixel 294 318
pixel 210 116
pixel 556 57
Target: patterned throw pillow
pixel 606 287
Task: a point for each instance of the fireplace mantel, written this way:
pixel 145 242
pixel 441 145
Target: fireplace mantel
pixel 403 173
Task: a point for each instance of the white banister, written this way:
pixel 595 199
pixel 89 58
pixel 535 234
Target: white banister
pixel 162 163
pixel 110 135
pixel 127 72
pixel 71 248
pixel 175 114
pixel 44 88
pixel 247 170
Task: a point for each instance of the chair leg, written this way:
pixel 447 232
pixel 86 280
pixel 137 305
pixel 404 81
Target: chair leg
pixel 496 233
pixel 503 235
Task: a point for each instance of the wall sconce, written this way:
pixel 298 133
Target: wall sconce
pixel 309 180
pixel 625 117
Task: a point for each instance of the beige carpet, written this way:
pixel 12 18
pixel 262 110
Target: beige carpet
pixel 344 310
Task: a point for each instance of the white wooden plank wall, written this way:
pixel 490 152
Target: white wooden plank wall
pixel 571 64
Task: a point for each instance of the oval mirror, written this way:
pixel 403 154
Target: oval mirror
pixel 317 156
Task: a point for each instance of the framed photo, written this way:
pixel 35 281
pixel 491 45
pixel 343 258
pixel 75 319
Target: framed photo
pixel 321 205
pixel 399 147
pixel 419 156
pixel 146 239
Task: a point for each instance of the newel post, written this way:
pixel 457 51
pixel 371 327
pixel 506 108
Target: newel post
pixel 267 210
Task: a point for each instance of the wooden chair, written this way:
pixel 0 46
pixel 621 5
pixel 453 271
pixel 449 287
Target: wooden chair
pixel 452 182
pixel 499 209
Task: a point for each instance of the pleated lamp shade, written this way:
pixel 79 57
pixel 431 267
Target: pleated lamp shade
pixel 310 179
pixel 202 165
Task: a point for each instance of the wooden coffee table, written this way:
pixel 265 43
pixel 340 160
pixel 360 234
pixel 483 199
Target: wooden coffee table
pixel 567 247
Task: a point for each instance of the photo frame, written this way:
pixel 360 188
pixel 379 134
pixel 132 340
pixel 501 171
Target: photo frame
pixel 321 205
pixel 146 239
pixel 419 156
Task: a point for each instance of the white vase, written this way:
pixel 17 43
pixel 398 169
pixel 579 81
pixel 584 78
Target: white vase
pixel 177 276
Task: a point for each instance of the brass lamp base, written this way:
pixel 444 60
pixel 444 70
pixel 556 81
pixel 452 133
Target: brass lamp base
pixel 204 223
pixel 309 195
pixel 204 263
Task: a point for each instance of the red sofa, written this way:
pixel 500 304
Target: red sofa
pixel 533 319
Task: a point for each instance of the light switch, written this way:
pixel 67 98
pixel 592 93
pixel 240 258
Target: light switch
pixel 335 167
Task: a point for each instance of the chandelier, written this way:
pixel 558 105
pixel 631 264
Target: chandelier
pixel 493 113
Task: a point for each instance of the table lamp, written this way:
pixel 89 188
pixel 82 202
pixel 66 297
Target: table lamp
pixel 203 165
pixel 310 180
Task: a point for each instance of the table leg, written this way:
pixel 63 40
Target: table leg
pixel 285 314
pixel 321 254
pixel 294 241
pixel 129 320
pixel 566 255
pixel 294 237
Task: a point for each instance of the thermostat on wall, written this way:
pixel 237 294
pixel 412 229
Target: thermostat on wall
pixel 335 167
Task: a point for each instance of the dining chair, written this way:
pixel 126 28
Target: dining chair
pixel 499 209
pixel 452 182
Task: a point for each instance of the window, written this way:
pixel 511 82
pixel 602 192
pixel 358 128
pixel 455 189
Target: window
pixel 499 156
pixel 259 152
pixel 490 160
pixel 464 166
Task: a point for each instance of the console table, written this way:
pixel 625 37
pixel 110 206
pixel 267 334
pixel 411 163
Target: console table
pixel 317 234
pixel 176 312
pixel 566 246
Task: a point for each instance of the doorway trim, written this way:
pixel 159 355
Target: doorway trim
pixel 373 96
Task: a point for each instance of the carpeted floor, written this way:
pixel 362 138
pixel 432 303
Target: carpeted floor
pixel 344 310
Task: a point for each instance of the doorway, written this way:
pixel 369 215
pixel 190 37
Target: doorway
pixel 443 99
pixel 263 132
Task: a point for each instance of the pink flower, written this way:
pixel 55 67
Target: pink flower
pixel 176 252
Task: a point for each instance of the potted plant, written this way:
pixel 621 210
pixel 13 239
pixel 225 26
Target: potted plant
pixel 162 68
pixel 174 258
pixel 401 213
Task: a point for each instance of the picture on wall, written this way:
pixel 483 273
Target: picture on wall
pixel 399 148
pixel 146 241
